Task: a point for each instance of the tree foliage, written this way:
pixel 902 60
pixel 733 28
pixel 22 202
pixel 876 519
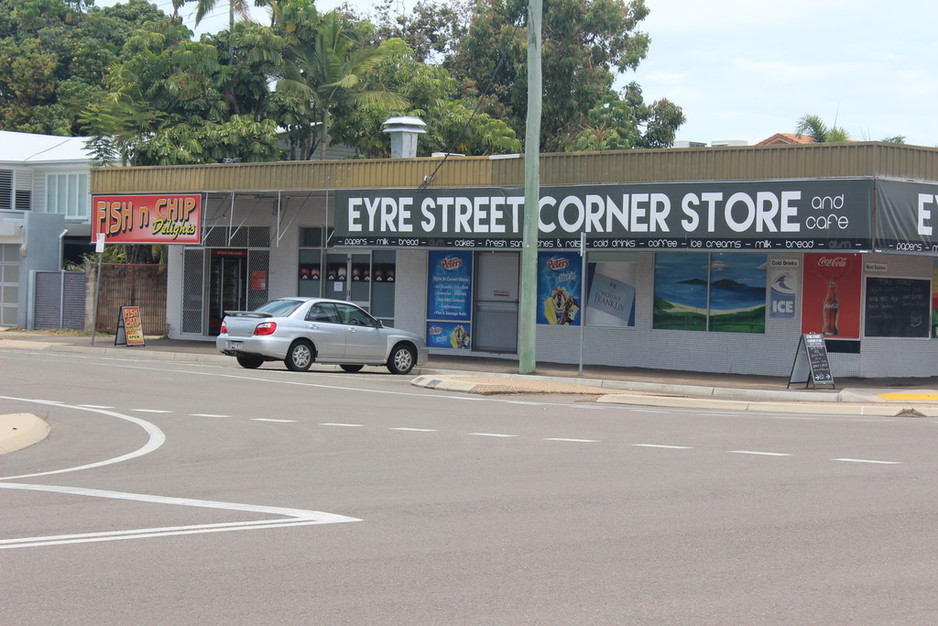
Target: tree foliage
pixel 147 92
pixel 815 127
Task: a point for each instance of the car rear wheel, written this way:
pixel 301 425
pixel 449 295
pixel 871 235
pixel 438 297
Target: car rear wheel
pixel 299 356
pixel 250 361
pixel 352 368
pixel 402 359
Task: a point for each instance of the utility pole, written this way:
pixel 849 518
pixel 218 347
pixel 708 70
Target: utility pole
pixel 527 313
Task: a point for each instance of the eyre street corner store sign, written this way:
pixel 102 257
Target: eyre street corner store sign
pixel 148 219
pixel 798 215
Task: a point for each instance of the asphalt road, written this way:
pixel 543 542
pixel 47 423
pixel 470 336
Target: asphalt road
pixel 187 493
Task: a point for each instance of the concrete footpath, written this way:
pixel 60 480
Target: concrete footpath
pixel 914 397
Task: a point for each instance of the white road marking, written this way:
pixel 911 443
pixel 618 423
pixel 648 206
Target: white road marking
pixel 342 425
pixel 298 517
pixel 759 453
pixel 95 406
pixel 417 430
pixel 491 435
pixel 869 461
pixel 269 419
pixel 150 411
pixel 655 445
pixel 155 439
pixel 207 415
pixel 571 440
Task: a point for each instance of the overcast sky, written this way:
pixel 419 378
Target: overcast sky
pixel 744 70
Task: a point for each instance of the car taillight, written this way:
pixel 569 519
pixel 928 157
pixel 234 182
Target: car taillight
pixel 224 328
pixel 265 328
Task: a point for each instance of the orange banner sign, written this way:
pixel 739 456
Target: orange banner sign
pixel 150 219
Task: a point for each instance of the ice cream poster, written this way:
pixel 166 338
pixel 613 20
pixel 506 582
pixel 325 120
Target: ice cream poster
pixel 452 335
pixel 449 293
pixel 559 285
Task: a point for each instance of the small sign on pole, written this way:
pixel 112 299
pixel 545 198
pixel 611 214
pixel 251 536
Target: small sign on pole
pixel 129 327
pixel 811 365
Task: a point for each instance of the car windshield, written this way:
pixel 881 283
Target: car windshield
pixel 279 308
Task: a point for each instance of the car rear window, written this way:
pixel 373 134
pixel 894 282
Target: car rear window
pixel 279 308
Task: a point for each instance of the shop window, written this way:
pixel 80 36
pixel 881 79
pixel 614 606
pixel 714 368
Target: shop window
pixel 722 292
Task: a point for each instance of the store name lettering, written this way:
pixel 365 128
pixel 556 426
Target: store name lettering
pixel 169 217
pixel 924 214
pixel 706 212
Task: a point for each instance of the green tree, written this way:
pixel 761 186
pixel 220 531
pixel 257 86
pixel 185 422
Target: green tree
pixel 431 94
pixel 325 73
pixel 813 126
pixel 585 45
pixel 176 101
pixel 54 56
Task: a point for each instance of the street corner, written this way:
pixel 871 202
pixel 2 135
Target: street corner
pixel 21 430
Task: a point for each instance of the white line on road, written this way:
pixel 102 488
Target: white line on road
pixel 491 435
pixel 571 440
pixel 759 453
pixel 95 406
pixel 416 430
pixel 655 445
pixel 150 411
pixel 270 419
pixel 299 517
pixel 342 425
pixel 207 415
pixel 155 439
pixel 869 461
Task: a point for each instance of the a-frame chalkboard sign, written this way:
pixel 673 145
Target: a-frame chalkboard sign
pixel 811 365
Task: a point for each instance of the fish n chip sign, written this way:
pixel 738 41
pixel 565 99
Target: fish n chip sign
pixel 150 219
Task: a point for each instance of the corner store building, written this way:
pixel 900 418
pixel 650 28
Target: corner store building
pixel 311 228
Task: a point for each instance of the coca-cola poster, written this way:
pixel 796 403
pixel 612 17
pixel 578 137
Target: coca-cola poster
pixel 832 295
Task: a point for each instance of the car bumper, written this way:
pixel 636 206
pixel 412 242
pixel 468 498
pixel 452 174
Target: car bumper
pixel 268 347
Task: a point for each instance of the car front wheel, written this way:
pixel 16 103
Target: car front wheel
pixel 250 361
pixel 299 356
pixel 402 360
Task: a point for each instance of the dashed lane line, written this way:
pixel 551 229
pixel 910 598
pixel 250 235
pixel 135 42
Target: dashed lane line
pixel 502 435
pixel 758 453
pixel 416 430
pixel 270 419
pixel 657 445
pixel 875 462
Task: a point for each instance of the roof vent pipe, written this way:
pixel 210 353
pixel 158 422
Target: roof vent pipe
pixel 404 131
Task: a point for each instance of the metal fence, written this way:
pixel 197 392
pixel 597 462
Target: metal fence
pixel 58 300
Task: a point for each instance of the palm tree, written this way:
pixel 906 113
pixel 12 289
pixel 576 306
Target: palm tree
pixel 326 71
pixel 813 126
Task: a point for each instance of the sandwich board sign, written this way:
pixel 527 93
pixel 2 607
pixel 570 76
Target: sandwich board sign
pixel 811 365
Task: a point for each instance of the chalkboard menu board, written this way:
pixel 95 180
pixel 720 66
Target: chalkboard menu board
pixel 811 364
pixel 898 307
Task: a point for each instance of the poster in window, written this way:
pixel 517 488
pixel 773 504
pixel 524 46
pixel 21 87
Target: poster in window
pixel 610 299
pixel 831 286
pixel 449 293
pixel 559 284
pixel 681 285
pixel 737 293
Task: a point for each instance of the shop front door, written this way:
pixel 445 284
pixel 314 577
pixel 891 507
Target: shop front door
pixel 228 286
pixel 495 319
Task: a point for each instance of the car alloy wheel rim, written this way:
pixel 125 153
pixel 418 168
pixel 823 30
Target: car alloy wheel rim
pixel 301 356
pixel 403 359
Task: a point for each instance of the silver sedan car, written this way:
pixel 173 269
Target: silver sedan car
pixel 301 331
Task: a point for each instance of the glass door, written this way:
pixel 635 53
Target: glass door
pixel 228 285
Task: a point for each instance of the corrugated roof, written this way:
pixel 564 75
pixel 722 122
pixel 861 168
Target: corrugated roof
pixel 29 148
